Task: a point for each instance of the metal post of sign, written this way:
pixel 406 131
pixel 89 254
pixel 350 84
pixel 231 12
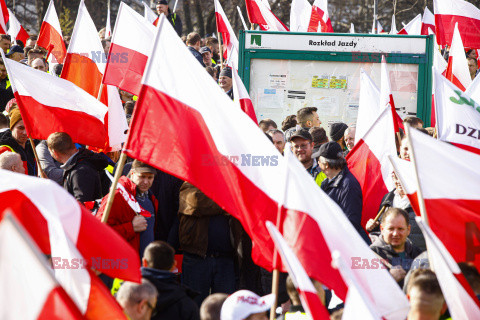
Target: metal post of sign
pixel 375 4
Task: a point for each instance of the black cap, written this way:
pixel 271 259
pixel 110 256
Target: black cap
pixel 226 72
pixel 162 2
pixel 331 151
pixel 141 167
pixel 14 49
pixel 301 133
pixel 337 131
pixel 205 49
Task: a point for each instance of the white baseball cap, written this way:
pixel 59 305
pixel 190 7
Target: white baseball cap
pixel 244 303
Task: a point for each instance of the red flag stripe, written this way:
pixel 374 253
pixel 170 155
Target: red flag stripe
pixel 469 29
pixel 75 70
pixel 52 41
pixel 59 306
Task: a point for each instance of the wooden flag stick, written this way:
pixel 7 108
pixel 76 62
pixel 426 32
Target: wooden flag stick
pixel 113 188
pixel 40 170
pixel 220 49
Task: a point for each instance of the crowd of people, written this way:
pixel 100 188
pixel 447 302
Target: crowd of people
pixel 196 257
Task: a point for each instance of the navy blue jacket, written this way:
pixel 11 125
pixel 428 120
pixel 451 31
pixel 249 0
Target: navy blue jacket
pixel 197 55
pixel 345 190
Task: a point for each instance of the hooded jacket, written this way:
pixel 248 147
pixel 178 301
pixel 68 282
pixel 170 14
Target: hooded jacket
pixel 8 143
pixel 82 176
pixel 174 300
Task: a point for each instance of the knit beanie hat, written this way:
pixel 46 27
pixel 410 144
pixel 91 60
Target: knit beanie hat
pixel 337 130
pixel 15 117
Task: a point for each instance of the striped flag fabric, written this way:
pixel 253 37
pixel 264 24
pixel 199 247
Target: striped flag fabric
pixel 259 13
pixel 428 22
pixel 50 36
pixel 300 13
pixel 16 30
pixel 320 20
pixel 4 17
pixel 414 27
pixel 457 69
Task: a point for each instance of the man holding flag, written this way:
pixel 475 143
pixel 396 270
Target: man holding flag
pixel 173 18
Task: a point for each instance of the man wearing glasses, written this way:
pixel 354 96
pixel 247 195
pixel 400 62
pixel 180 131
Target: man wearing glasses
pixel 138 300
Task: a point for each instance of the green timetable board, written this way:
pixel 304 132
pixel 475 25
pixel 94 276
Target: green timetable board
pixel 286 71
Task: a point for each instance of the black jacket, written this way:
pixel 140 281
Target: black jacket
pixel 6 93
pixel 197 55
pixel 28 157
pixel 345 190
pixel 174 300
pixel 176 22
pixel 82 177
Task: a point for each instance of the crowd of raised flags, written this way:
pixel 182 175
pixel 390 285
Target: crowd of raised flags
pixel 181 114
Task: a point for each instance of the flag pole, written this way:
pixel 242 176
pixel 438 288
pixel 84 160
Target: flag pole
pixel 242 18
pixel 40 170
pixel 113 188
pixel 221 49
pixel 421 201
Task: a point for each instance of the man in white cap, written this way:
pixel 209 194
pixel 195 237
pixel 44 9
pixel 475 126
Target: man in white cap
pixel 246 305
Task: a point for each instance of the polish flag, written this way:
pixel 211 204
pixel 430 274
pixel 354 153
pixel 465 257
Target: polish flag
pixel 50 36
pixel 25 272
pixel 379 27
pixel 131 44
pixel 452 208
pixel 461 300
pixel 357 301
pixel 320 20
pixel 313 222
pixel 241 95
pixel 53 217
pixel 414 27
pixel 428 22
pixel 259 13
pixel 85 61
pixel 149 14
pixel 368 162
pixel 70 109
pixel 456 115
pixel 15 29
pixel 108 27
pixel 230 41
pixel 449 13
pixel 4 17
pixel 457 69
pixel 441 65
pixel 300 13
pixel 386 97
pixel 308 294
pixel 393 29
pixel 368 105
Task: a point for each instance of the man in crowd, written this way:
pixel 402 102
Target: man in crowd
pixel 302 148
pixel 393 244
pixel 137 300
pixel 16 53
pixel 174 300
pixel 34 54
pixel 5 42
pixel 50 167
pixel 207 57
pixel 337 131
pixel 246 305
pixel 472 67
pixel 349 137
pixel 136 227
pixel 11 161
pixel 341 186
pixel 306 118
pixel 6 92
pixel 425 296
pixel 206 233
pixel 16 140
pixel 173 18
pixel 39 64
pixel 212 306
pixel 82 168
pixel 414 122
pixel 213 44
pixel 193 44
pixel 278 139
pixel 267 124
pixel 225 81
pixel 32 41
pixel 319 136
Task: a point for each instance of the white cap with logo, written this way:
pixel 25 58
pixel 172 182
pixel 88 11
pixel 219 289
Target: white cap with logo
pixel 244 303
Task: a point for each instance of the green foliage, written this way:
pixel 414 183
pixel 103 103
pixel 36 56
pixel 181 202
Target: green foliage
pixel 66 22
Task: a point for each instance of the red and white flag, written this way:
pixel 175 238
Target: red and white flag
pixel 428 22
pixel 70 109
pixel 457 69
pixel 379 27
pixel 461 300
pixel 449 13
pixel 15 29
pixel 414 27
pixel 85 61
pixel 241 95
pixel 54 218
pixel 320 20
pixel 452 208
pixel 129 50
pixel 368 162
pixel 458 119
pixel 50 36
pixel 386 97
pixel 149 14
pixel 308 294
pixel 368 105
pixel 259 13
pixel 393 29
pixel 4 17
pixel 300 13
pixel 228 172
pixel 230 41
pixel 440 64
pixel 25 272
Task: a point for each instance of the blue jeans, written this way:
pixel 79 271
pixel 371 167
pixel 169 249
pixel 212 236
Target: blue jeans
pixel 208 275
